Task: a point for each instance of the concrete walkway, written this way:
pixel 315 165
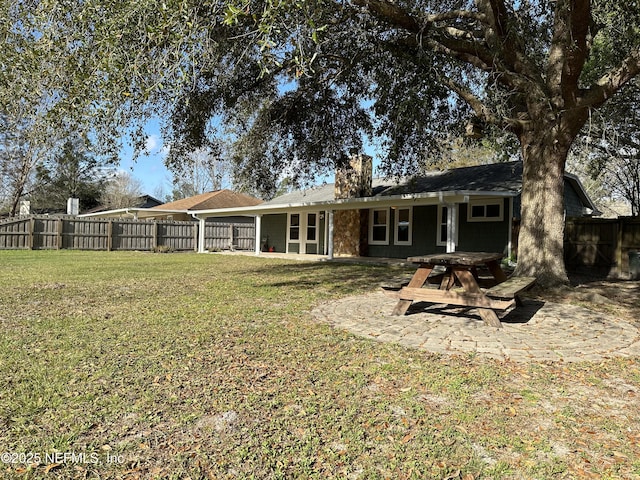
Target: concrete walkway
pixel 537 331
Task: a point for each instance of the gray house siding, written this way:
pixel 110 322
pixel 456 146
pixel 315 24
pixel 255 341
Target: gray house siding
pixel 572 204
pixel 274 231
pixel 488 236
pixel 492 236
pixel 424 227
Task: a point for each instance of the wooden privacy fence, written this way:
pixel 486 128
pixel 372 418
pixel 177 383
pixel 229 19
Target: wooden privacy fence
pixel 601 244
pixel 43 232
pixel 235 236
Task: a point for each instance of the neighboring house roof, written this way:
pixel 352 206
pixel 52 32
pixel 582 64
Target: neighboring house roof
pixel 217 199
pixel 147 201
pixel 224 199
pixel 144 201
pixel 455 185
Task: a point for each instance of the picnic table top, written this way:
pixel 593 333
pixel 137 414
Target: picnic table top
pixel 457 258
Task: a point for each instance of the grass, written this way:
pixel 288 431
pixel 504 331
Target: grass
pixel 138 365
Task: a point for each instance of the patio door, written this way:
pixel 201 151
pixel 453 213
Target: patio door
pixel 302 233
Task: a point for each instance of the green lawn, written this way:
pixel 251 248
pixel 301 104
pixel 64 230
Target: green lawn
pixel 139 365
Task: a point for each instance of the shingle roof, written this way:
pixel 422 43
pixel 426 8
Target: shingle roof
pixel 496 177
pixel 211 200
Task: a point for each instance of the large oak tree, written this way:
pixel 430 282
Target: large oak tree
pixel 296 85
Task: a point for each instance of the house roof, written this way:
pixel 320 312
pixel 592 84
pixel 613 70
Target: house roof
pixel 449 186
pixel 211 200
pixel 504 178
pixel 144 201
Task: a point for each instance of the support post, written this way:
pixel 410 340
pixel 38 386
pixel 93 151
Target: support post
pixel 451 227
pixel 330 236
pixel 258 247
pixel 201 234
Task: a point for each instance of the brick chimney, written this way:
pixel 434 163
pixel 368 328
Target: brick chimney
pixel 354 180
pixel 350 226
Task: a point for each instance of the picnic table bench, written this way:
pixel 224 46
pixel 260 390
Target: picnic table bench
pixel 458 285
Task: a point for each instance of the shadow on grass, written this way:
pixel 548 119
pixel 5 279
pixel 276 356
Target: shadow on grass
pixel 346 278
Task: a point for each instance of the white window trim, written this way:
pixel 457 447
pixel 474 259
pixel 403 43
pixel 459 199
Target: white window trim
pixel 439 242
pixel 302 230
pixel 396 224
pixel 485 203
pixel 289 240
pixel 316 227
pixel 371 240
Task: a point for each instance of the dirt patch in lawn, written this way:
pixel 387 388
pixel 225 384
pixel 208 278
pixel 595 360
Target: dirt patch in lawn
pixel 617 298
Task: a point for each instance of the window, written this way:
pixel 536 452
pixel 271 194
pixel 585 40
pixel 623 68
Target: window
pixel 302 231
pixel 485 211
pixel 294 227
pixel 379 227
pixel 443 213
pixel 312 227
pixel 403 226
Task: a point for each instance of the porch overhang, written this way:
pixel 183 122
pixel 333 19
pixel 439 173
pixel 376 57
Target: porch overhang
pixel 429 198
pixel 360 203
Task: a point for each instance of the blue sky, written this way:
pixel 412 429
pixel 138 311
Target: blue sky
pixel 149 167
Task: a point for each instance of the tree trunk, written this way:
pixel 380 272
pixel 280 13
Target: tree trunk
pixel 541 241
pixel 19 185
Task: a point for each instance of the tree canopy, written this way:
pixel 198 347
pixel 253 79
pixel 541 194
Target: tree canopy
pixel 297 85
pixel 72 173
pixel 610 146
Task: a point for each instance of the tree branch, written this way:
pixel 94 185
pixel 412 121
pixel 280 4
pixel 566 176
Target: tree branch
pixel 610 83
pixel 477 105
pixel 504 44
pixel 455 15
pixel 569 50
pixel 390 13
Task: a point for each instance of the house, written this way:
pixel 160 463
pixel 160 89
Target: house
pixel 471 208
pixel 218 199
pixel 179 210
pixel 143 202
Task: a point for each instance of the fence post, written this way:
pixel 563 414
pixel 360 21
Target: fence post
pixel 154 240
pixel 59 234
pixel 109 235
pixel 32 227
pixel 619 225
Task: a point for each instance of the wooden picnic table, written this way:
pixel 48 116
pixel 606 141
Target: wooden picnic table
pixel 458 285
